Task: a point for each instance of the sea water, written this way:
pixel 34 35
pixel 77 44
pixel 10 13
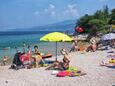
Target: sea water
pixel 10 40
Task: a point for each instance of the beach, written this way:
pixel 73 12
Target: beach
pixel 96 75
pixel 57 43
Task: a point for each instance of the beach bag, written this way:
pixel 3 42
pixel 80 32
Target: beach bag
pixel 62 74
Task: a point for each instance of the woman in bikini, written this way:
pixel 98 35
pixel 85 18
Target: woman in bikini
pixel 64 65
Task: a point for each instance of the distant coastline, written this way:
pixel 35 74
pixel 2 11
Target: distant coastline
pixel 21 32
pixel 67 25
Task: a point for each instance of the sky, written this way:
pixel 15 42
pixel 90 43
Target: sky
pixel 30 13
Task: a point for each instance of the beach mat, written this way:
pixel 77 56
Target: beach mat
pixel 71 72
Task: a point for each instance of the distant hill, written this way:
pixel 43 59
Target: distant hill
pixel 67 25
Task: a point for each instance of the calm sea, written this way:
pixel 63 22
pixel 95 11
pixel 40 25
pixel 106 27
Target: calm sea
pixel 10 40
pixel 16 39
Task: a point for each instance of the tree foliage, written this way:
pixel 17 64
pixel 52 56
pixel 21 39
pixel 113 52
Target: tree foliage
pixel 112 17
pixel 97 22
pixel 83 22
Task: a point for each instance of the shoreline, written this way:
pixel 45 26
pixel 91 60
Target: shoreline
pixel 44 47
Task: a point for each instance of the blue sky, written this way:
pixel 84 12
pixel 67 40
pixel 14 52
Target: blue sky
pixel 29 13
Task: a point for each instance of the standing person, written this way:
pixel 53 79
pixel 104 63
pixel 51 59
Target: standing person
pixel 26 56
pixel 24 45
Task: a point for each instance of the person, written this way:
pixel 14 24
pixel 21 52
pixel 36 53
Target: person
pixel 25 57
pixel 112 55
pixel 36 51
pixel 91 48
pixel 37 56
pixel 24 45
pixel 113 43
pixel 93 45
pixel 5 60
pixel 75 38
pixel 75 44
pixel 64 65
pixel 110 62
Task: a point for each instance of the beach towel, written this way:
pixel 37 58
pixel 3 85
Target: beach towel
pixel 62 74
pixel 71 72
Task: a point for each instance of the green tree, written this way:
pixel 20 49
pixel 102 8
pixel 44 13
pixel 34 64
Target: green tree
pixel 97 22
pixel 112 17
pixel 96 26
pixel 83 22
pixel 102 14
pixel 106 11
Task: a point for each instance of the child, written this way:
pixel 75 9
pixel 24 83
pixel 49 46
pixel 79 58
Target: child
pixel 5 60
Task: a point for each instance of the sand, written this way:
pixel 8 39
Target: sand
pixel 96 75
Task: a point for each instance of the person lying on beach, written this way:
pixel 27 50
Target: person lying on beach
pixel 37 57
pixel 109 62
pixel 111 56
pixel 5 60
pixel 64 65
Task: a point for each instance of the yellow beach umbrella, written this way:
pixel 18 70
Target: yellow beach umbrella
pixel 56 37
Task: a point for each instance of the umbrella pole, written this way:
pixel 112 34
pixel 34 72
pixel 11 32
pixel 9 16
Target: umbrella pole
pixel 56 51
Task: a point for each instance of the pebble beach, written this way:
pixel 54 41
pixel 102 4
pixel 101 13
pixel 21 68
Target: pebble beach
pixel 89 62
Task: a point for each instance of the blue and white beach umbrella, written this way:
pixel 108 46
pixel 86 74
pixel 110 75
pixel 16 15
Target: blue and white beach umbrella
pixel 108 36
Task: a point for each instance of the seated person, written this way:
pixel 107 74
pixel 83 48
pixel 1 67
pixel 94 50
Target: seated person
pixel 75 46
pixel 92 47
pixel 113 43
pixel 61 65
pixel 5 60
pixel 37 57
pixel 112 55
